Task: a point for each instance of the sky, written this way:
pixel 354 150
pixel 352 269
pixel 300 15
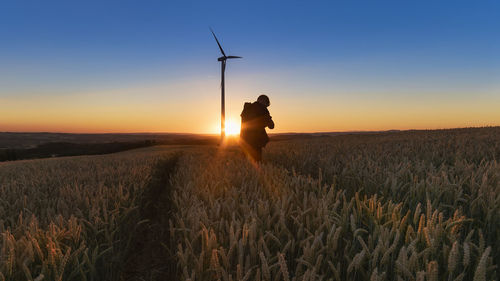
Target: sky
pixel 151 66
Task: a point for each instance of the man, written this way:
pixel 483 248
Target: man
pixel 254 119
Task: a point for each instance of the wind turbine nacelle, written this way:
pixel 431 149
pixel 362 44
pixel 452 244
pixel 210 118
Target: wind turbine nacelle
pixel 221 58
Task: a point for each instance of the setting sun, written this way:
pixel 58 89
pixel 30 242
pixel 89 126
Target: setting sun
pixel 232 127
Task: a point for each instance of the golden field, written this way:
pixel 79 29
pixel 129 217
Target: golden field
pixel 416 205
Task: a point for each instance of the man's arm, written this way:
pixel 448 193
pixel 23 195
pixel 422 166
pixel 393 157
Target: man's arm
pixel 268 120
pixel 270 123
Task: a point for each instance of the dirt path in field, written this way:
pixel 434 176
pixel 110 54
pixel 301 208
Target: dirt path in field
pixel 148 257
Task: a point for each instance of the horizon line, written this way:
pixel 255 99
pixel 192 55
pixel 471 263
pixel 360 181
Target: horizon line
pixel 218 134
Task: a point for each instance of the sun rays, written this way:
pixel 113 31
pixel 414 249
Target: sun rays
pixel 232 127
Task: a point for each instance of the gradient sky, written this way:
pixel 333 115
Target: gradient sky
pixel 151 66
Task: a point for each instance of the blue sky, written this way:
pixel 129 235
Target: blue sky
pixel 359 54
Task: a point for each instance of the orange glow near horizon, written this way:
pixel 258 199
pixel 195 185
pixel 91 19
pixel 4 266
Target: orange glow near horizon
pixel 142 121
pixel 197 111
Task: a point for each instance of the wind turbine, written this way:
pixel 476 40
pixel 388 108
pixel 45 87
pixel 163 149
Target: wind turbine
pixel 222 96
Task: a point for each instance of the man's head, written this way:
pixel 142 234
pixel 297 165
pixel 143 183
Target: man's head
pixel 264 100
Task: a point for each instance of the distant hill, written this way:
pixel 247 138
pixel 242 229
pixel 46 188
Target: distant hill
pixel 9 140
pixel 17 146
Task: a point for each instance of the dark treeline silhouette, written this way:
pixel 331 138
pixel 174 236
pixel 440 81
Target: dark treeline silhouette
pixel 57 149
pixel 69 149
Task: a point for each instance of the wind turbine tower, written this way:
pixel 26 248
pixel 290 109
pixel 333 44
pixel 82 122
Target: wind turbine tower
pixel 222 94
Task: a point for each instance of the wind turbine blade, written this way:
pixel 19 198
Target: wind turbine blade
pixel 220 47
pixel 234 57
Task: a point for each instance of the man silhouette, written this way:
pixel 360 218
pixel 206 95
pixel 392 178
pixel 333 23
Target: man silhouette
pixel 254 119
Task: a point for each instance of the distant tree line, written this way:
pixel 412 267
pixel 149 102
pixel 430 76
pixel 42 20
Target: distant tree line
pixel 57 149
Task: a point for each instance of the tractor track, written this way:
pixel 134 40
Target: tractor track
pixel 148 256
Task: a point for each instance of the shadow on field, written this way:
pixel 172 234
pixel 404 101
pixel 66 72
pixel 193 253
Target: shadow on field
pixel 148 257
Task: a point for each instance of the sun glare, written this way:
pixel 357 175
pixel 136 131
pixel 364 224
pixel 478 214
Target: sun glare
pixel 232 128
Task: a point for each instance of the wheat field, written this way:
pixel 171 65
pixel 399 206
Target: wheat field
pixel 417 205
